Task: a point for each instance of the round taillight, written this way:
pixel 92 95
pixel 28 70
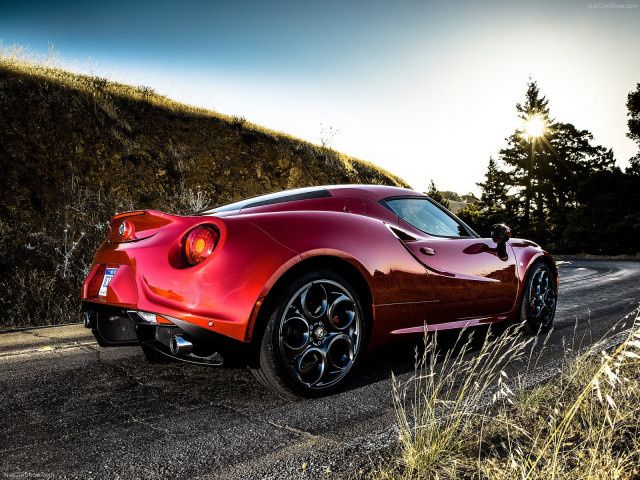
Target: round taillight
pixel 126 230
pixel 199 244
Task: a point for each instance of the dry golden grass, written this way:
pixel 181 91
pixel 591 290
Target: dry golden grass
pixel 464 419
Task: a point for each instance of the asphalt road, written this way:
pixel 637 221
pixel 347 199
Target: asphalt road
pixel 70 409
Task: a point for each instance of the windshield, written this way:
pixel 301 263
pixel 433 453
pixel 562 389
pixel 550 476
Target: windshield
pixel 427 217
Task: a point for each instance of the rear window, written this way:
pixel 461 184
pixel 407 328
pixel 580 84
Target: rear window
pixel 273 198
pixel 427 217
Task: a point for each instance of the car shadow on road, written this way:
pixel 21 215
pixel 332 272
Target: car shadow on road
pixel 197 386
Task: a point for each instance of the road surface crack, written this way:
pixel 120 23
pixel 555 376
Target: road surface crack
pixel 146 423
pixel 134 418
pixel 302 433
pixel 117 367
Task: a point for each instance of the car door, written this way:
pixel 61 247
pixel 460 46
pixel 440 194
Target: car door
pixel 471 279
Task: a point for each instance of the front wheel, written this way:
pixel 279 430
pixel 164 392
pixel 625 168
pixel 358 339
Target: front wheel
pixel 313 337
pixel 539 300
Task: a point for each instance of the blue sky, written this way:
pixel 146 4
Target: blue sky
pixel 426 90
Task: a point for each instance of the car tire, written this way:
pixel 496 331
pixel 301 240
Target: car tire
pixel 539 299
pixel 313 338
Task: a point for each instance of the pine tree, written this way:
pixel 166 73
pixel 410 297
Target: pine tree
pixel 494 188
pixel 532 186
pixel 436 195
pixel 525 152
pixel 633 105
pixel 547 166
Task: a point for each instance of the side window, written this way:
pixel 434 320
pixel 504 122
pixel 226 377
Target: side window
pixel 425 216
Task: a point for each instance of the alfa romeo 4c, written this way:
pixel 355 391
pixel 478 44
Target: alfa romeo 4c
pixel 299 285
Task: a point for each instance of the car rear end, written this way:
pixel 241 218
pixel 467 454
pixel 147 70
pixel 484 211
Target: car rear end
pixel 173 284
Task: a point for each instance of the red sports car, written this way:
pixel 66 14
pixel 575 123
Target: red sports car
pixel 300 284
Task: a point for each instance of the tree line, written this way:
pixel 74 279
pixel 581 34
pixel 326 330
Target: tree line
pixel 553 185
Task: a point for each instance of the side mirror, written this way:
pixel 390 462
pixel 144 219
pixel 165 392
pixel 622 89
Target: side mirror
pixel 500 233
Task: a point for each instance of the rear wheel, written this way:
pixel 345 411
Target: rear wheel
pixel 313 337
pixel 539 299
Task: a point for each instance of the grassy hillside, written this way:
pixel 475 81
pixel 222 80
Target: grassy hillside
pixel 75 150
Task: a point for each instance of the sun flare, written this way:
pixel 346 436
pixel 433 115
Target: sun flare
pixel 535 126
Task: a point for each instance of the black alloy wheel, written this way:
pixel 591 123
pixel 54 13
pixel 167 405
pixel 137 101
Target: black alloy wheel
pixel 314 336
pixel 539 299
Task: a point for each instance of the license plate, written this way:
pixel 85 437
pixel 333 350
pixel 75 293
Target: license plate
pixel 108 275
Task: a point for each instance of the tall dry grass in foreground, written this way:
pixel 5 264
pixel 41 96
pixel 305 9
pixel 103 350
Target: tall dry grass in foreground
pixel 463 417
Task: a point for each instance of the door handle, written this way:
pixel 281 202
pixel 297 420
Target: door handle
pixel 427 251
